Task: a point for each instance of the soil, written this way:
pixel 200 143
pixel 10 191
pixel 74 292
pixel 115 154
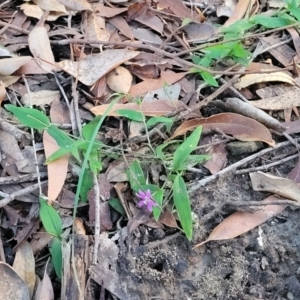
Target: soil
pixel 240 268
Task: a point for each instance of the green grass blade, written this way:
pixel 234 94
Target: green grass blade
pixel 56 255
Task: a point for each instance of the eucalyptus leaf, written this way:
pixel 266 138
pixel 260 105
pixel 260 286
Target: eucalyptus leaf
pixel 29 117
pixel 185 149
pixel 183 206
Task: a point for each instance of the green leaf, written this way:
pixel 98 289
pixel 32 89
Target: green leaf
pixel 29 117
pixel 185 149
pixel 239 51
pixel 158 150
pixel 131 114
pixel 50 218
pixel 186 21
pixel 193 160
pixel 183 206
pixel 158 197
pixel 237 28
pixel 88 129
pixel 168 121
pixel 56 255
pixel 296 13
pixel 87 183
pixel 136 176
pixel 115 203
pixel 271 22
pixel 209 78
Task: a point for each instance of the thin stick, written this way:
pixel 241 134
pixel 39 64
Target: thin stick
pixel 236 165
pixel 97 219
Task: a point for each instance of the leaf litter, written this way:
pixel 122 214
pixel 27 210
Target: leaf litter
pixel 153 58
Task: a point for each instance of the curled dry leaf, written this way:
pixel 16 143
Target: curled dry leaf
pixel 40 48
pixel 50 5
pixel 40 98
pixel 278 185
pixel 24 265
pixel 12 64
pixel 94 66
pixel 12 286
pixel 261 77
pixel 241 222
pixel 119 80
pixel 153 109
pixel 242 128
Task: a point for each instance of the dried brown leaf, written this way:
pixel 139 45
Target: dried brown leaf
pixel 120 23
pixel 12 286
pixel 44 290
pixel 261 77
pixel 277 185
pixel 94 66
pixel 119 80
pixel 2 91
pixel 76 5
pixel 168 219
pixel 242 128
pixel 152 21
pixel 106 11
pixel 50 5
pixel 289 100
pixel 24 265
pixel 148 85
pixel 241 222
pixel 40 48
pixel 156 108
pixel 57 170
pixel 12 64
pixel 40 98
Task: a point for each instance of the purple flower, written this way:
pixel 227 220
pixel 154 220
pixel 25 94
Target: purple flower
pixel 146 199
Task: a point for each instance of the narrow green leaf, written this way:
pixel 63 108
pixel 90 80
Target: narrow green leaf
pixel 116 204
pixel 87 183
pixel 88 129
pixel 185 149
pixel 296 13
pixel 238 28
pixel 50 218
pixel 131 114
pixel 193 160
pixel 29 117
pixel 158 197
pixel 136 176
pixel 56 255
pixel 271 22
pixel 183 206
pixel 62 139
pixel 209 78
pixel 168 121
pixel 158 150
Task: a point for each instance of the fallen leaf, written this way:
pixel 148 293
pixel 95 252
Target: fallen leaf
pixel 199 32
pixel 12 64
pixel 241 222
pixel 44 290
pixel 148 85
pixel 120 23
pixel 50 5
pixel 34 11
pixel 242 128
pixel 9 80
pixel 146 35
pixel 32 67
pixel 226 10
pixel 2 92
pixel 76 5
pixel 289 100
pixel 179 9
pixel 106 11
pixel 153 109
pixel 12 286
pixel 24 265
pixel 218 159
pixel 261 77
pixel 119 80
pixel 274 184
pixel 95 29
pixel 57 170
pixel 168 219
pixel 239 11
pixel 94 66
pixel 40 98
pixel 117 173
pixel 40 48
pixel 152 21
